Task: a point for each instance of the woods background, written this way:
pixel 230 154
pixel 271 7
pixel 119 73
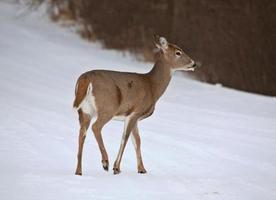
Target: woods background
pixel 235 39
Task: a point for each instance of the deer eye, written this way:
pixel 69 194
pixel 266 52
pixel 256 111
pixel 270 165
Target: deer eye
pixel 178 53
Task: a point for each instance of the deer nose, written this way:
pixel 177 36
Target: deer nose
pixel 194 65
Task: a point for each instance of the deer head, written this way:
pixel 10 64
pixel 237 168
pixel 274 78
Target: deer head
pixel 174 55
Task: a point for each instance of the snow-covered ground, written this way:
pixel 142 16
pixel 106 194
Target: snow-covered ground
pixel 203 142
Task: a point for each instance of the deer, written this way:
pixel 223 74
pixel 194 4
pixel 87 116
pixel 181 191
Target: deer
pixel 106 95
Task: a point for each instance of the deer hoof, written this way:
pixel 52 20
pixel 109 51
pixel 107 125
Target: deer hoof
pixel 105 164
pixel 143 171
pixel 116 171
pixel 78 173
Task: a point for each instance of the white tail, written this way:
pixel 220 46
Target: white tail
pixel 132 97
pixel 86 98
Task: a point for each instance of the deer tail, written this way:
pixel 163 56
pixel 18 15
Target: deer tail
pixel 83 87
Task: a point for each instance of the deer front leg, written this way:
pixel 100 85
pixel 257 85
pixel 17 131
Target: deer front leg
pixel 129 124
pixel 137 145
pixel 84 120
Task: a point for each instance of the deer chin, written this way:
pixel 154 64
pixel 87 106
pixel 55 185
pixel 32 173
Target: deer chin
pixel 190 69
pixel 185 68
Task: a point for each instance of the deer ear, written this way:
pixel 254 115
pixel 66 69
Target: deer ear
pixel 160 42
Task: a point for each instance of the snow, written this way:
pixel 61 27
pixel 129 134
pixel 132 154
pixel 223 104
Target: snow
pixel 203 142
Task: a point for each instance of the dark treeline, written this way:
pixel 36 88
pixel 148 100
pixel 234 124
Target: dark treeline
pixel 235 39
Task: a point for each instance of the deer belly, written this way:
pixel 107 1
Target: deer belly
pixel 119 118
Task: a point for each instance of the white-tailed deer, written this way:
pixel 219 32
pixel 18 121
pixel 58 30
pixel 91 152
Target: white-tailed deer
pixel 108 95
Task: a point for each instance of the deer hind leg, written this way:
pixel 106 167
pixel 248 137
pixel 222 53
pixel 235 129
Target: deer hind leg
pixel 137 145
pixel 129 124
pixel 84 120
pixel 97 128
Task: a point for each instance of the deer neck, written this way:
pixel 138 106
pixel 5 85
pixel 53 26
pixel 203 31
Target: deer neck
pixel 159 77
